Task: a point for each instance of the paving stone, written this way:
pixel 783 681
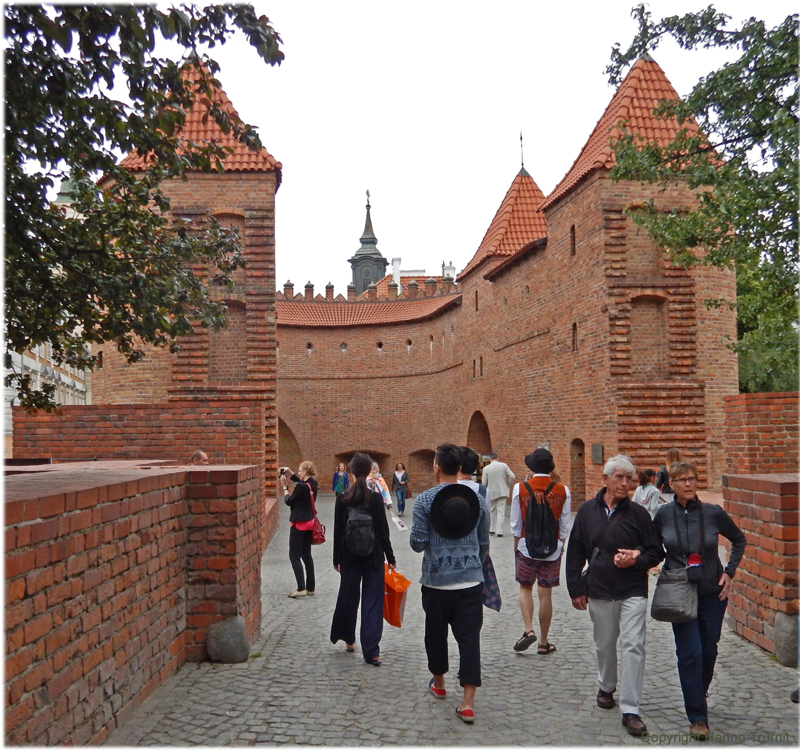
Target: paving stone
pixel 306 691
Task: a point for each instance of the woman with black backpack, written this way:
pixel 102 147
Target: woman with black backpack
pixel 360 544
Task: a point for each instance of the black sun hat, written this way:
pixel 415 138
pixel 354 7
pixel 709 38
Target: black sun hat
pixel 540 462
pixel 455 511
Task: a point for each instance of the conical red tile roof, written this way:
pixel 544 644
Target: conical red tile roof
pixel 517 223
pixel 637 96
pixel 200 127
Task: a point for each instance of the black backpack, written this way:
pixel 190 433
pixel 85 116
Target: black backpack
pixel 359 533
pixel 541 527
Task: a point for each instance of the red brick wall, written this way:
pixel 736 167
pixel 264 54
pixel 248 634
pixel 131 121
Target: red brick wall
pixel 761 433
pixel 103 586
pixel 649 370
pixel 765 508
pixel 230 431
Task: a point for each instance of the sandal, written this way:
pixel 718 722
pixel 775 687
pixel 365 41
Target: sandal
pixel 525 641
pixel 546 649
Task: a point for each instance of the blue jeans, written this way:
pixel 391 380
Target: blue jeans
pixel 696 648
pixel 401 499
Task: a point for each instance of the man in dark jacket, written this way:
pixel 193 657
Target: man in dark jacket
pixel 618 539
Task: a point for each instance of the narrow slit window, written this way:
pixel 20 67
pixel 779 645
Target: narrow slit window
pixel 572 240
pixel 574 337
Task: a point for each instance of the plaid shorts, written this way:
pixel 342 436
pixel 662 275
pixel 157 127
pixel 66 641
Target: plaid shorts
pixel 527 570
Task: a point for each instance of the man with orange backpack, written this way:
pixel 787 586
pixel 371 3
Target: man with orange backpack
pixel 540 523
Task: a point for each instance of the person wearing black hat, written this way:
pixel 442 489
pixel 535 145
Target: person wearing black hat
pixel 545 570
pixel 451 529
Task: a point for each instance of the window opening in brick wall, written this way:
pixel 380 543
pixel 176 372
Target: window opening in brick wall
pixel 380 346
pixel 574 337
pixel 431 343
pixel 474 370
pixel 408 344
pixel 343 347
pixel 648 336
pixel 481 365
pixel 526 291
pixel 309 346
pixel 572 240
pixel 476 299
pixel 99 360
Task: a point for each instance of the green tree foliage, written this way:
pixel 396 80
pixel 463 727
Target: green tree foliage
pixel 743 168
pixel 113 269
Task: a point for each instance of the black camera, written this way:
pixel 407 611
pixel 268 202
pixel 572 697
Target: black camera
pixel 281 472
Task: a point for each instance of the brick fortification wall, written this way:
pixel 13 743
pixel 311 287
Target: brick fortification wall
pixel 610 344
pixel 230 431
pixel 765 588
pixel 761 435
pixel 112 577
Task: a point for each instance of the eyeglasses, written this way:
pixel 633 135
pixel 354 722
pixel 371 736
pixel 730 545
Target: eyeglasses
pixel 685 479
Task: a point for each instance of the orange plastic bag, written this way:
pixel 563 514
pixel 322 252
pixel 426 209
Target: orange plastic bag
pixel 395 590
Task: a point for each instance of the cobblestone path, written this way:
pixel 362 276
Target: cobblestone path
pixel 299 689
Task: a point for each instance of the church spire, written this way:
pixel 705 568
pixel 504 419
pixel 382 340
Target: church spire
pixel 368 264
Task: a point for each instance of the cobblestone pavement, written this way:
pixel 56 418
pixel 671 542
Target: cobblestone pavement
pixel 300 689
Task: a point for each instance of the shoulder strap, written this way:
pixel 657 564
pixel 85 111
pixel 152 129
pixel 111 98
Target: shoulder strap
pixel 311 495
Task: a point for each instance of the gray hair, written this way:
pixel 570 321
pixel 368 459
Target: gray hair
pixel 622 462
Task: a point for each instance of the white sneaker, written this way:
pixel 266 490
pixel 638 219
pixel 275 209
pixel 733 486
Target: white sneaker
pixel 297 593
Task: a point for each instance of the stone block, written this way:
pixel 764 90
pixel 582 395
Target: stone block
pixel 226 641
pixel 785 636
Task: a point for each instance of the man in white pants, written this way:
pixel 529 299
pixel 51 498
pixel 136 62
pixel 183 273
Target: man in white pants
pixel 618 540
pixel 498 478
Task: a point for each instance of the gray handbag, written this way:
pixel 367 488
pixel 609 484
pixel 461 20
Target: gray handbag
pixel 675 598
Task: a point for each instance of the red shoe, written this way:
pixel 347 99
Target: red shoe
pixel 466 714
pixel 439 693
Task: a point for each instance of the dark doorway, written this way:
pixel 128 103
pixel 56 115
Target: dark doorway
pixel 577 472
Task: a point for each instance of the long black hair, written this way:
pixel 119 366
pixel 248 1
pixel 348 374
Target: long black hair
pixel 359 493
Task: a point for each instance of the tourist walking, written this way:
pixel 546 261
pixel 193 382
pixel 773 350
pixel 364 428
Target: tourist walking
pixel 376 482
pixel 647 494
pixel 498 478
pixel 301 502
pixel 689 531
pixel 618 540
pixel 400 487
pixel 341 482
pixel 529 569
pixel 451 530
pixel 662 479
pixel 360 545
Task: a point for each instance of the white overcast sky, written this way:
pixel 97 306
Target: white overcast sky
pixel 422 103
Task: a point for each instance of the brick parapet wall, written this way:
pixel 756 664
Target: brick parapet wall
pixel 765 508
pixel 97 569
pixel 231 430
pixel 222 552
pixel 761 433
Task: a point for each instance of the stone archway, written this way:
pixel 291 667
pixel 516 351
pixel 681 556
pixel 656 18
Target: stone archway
pixel 478 436
pixel 577 472
pixel 288 448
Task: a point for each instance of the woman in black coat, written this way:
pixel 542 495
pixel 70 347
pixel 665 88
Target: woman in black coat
pixel 302 521
pixel 689 531
pixel 360 572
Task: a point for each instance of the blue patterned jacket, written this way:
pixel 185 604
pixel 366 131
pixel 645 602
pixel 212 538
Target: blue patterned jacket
pixel 446 562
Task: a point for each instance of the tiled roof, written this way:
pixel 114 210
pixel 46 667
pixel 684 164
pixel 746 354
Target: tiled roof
pixel 241 159
pixel 517 223
pixel 383 284
pixel 360 313
pixel 638 95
